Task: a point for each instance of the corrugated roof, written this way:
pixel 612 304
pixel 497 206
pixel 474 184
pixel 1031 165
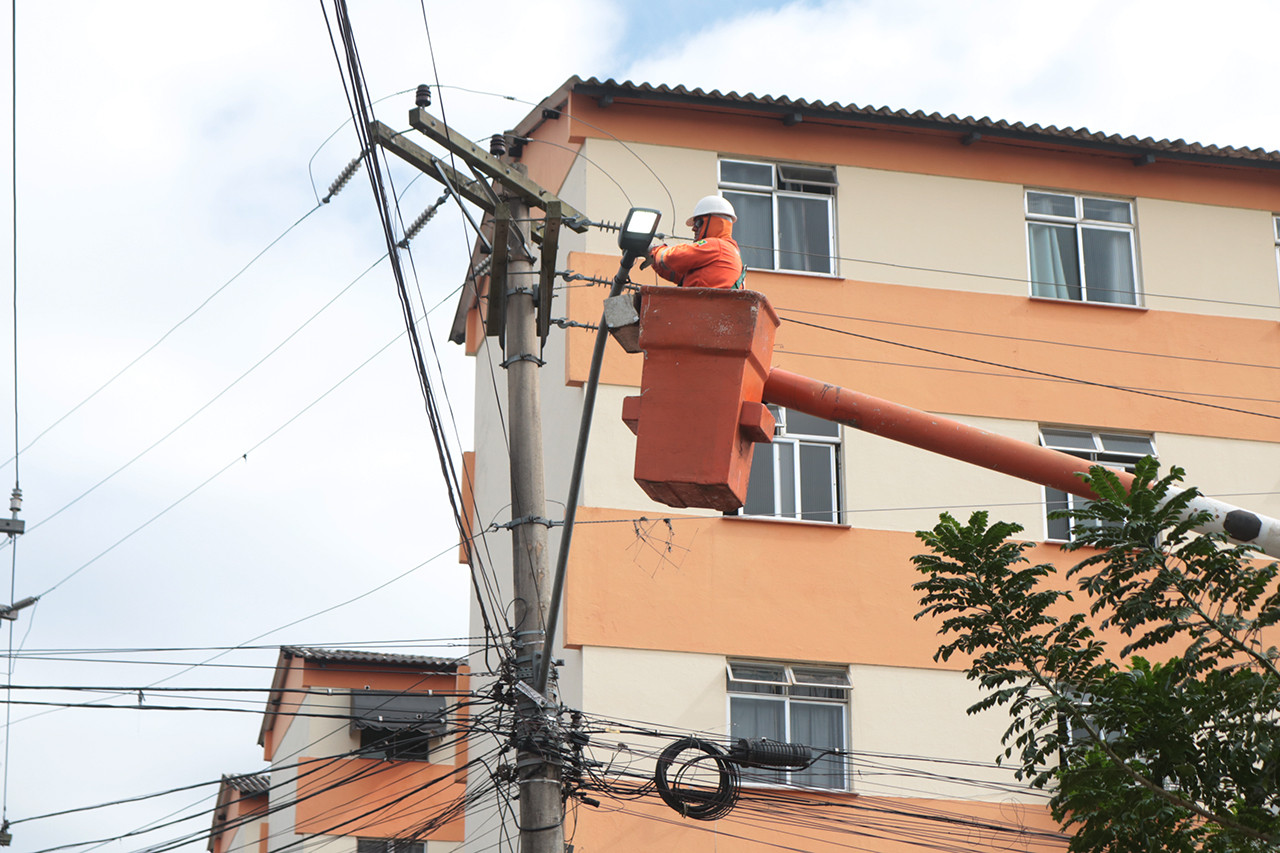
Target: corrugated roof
pixel 348 656
pixel 249 783
pixel 793 110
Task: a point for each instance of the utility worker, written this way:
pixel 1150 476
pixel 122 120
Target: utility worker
pixel 713 259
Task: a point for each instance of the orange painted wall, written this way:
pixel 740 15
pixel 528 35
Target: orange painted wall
pixel 468 501
pixel 939 383
pixel 870 824
pixel 239 810
pixel 354 676
pixel 756 588
pixel 925 152
pixel 551 153
pixel 357 676
pixel 380 799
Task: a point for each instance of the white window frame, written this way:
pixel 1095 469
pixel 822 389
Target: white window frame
pixel 1082 223
pixel 1275 223
pixel 796 441
pixel 793 678
pixel 817 189
pixel 1100 446
pixel 390 845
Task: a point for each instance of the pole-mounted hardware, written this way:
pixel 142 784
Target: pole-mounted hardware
pixel 495 322
pixel 14 525
pixel 547 272
pixel 10 611
pixel 528 191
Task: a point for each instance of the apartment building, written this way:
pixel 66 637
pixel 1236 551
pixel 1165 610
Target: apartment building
pixel 1108 296
pixel 364 756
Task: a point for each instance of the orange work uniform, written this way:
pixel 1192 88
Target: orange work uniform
pixel 713 261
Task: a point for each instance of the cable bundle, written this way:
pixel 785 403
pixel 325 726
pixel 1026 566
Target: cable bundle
pixel 699 802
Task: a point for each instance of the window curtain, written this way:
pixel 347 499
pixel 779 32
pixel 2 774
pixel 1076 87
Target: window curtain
pixel 1054 268
pixel 1108 266
pixel 754 229
pixel 804 234
pixel 821 727
pixel 758 718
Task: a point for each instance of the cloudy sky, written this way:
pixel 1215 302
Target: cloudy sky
pixel 268 461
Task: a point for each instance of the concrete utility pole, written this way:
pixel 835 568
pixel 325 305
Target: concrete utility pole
pixel 541 804
pixel 518 314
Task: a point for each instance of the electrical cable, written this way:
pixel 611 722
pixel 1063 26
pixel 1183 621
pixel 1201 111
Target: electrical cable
pixel 328 765
pixel 471 559
pixel 17 491
pixel 311 174
pixel 225 468
pixel 189 418
pixel 1032 372
pixel 697 801
pixel 1019 339
pixel 998 375
pixel 166 335
pixel 460 705
pixel 357 98
pixel 578 153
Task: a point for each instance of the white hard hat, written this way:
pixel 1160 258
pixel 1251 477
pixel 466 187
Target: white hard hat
pixel 713 205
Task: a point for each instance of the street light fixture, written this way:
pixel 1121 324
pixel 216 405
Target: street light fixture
pixel 637 232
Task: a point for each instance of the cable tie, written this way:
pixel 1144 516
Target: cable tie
pixel 531 519
pixel 524 356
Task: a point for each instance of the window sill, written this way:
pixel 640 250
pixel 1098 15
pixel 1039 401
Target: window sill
pixel 799 790
pixel 774 519
pixel 803 273
pixel 1058 301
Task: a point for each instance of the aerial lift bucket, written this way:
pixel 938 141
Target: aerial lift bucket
pixel 708 376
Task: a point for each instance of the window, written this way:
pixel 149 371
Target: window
pixel 389 845
pixel 798 474
pixel 792 703
pixel 785 214
pixel 397 726
pixel 1117 450
pixel 1275 222
pixel 1081 248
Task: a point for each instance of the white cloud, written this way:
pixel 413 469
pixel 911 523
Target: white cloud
pixel 1130 67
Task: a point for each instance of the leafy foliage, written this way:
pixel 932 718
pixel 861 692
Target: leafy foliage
pixel 1177 753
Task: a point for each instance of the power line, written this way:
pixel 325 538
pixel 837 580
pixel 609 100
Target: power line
pixel 1030 371
pixel 224 468
pixel 910 267
pixel 165 336
pixel 996 375
pixel 189 418
pixel 1020 339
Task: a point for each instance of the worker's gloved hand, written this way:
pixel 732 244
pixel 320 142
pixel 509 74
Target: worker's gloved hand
pixel 650 258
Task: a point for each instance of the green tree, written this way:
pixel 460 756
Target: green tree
pixel 1179 752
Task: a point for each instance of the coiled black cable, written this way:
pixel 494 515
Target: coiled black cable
pixel 697 801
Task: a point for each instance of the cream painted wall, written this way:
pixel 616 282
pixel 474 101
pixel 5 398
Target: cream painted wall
pixel 894 711
pixel 687 174
pixel 921 713
pixel 1245 473
pixel 893 486
pixel 1189 252
pixel 665 690
pixel 246 837
pixel 608 476
pixel 935 223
